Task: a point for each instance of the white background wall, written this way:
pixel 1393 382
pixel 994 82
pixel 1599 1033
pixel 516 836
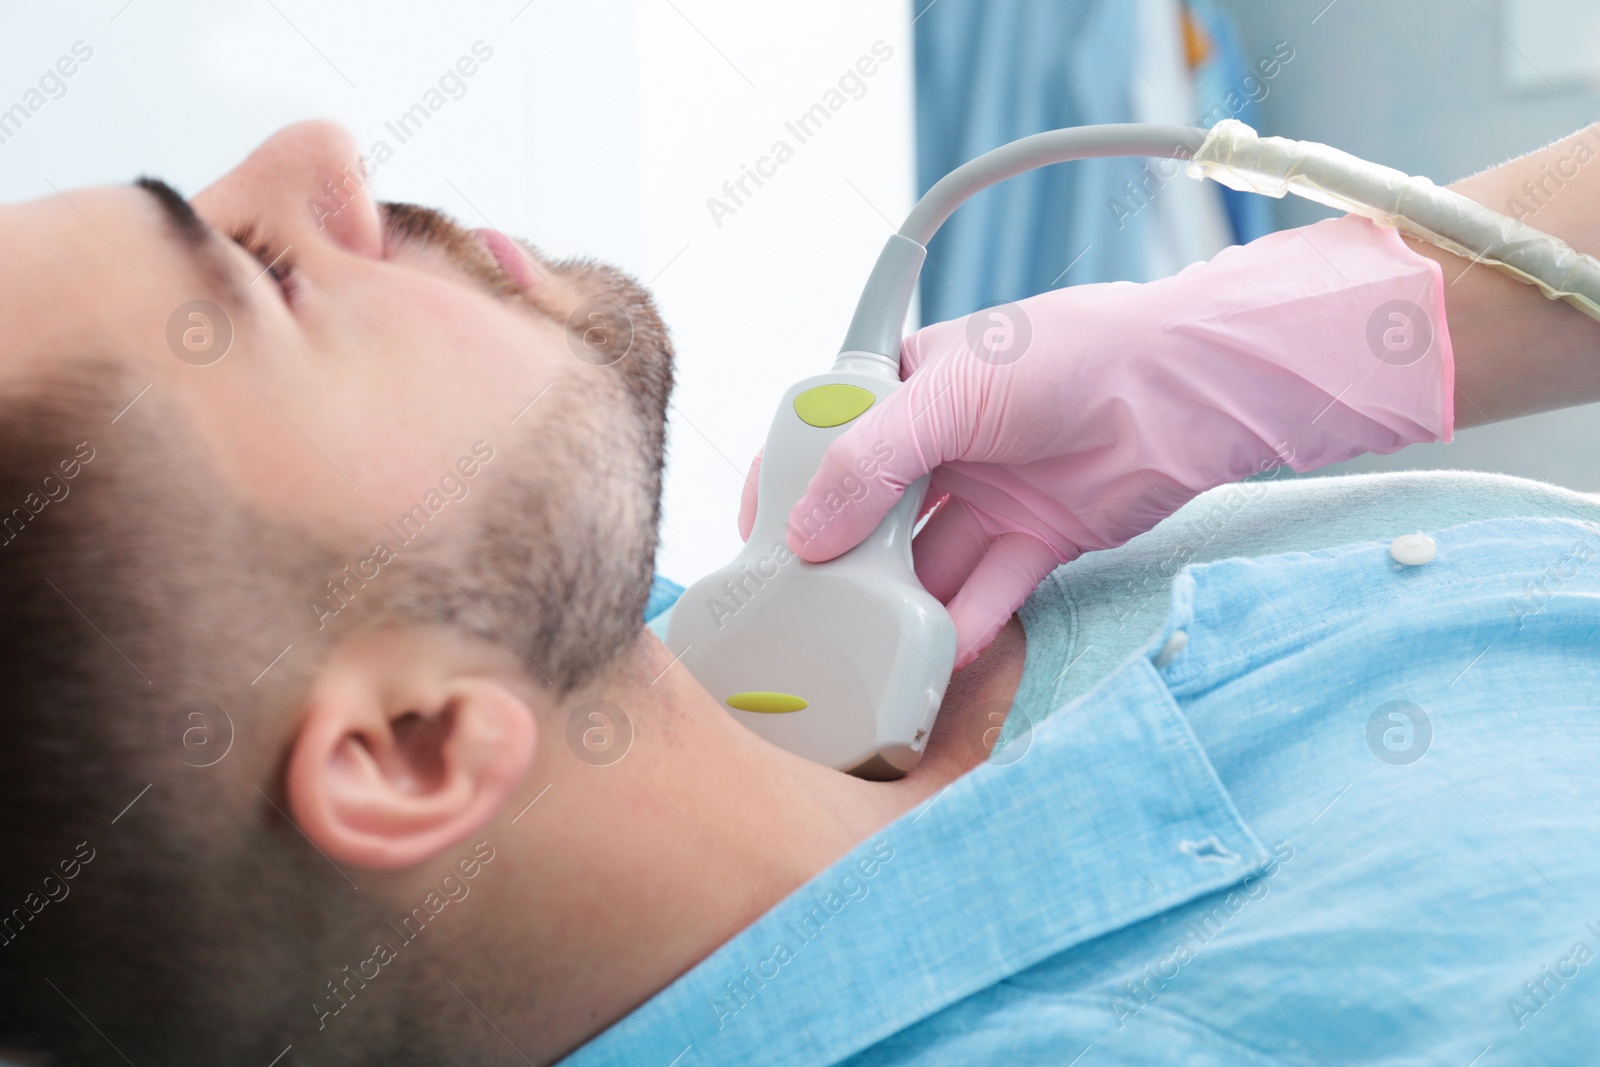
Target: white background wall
pixel 598 127
pixel 763 299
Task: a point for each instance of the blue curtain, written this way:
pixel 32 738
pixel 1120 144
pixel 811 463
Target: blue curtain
pixel 988 72
pixel 991 71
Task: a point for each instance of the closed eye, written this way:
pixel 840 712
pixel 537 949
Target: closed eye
pixel 279 264
pixel 206 250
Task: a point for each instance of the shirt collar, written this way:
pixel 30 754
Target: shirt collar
pixel 1112 814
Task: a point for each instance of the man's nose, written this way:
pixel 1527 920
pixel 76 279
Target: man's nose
pixel 304 183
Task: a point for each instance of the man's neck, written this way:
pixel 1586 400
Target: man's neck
pixel 631 873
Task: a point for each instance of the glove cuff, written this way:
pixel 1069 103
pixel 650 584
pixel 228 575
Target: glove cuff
pixel 1322 343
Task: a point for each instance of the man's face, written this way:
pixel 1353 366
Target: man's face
pixel 365 361
pixel 370 377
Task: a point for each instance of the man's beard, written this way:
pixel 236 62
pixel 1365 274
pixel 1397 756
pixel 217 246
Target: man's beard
pixel 560 563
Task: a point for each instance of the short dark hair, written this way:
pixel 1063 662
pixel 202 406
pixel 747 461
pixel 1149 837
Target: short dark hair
pixel 106 623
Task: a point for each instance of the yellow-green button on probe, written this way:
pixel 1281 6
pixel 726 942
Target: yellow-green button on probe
pixel 767 703
pixel 832 405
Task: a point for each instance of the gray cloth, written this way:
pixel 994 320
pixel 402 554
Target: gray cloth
pixel 1091 614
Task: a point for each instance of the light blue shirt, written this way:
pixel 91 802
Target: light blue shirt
pixel 1352 817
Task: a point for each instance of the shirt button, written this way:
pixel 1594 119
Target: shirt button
pixel 1169 651
pixel 1413 550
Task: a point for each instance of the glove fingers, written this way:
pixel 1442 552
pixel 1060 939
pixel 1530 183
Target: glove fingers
pixel 911 353
pixel 866 469
pixel 948 548
pixel 1012 568
pixel 747 502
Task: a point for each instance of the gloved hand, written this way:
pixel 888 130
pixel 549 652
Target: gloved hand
pixel 1079 418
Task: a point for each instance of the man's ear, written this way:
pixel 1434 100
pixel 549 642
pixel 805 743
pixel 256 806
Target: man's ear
pixel 410 742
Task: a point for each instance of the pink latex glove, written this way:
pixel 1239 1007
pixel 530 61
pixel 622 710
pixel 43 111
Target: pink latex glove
pixel 1114 404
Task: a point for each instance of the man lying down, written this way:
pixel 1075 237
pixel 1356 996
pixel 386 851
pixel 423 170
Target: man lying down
pixel 328 538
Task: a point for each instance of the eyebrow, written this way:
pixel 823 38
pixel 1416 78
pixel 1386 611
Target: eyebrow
pixel 192 233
